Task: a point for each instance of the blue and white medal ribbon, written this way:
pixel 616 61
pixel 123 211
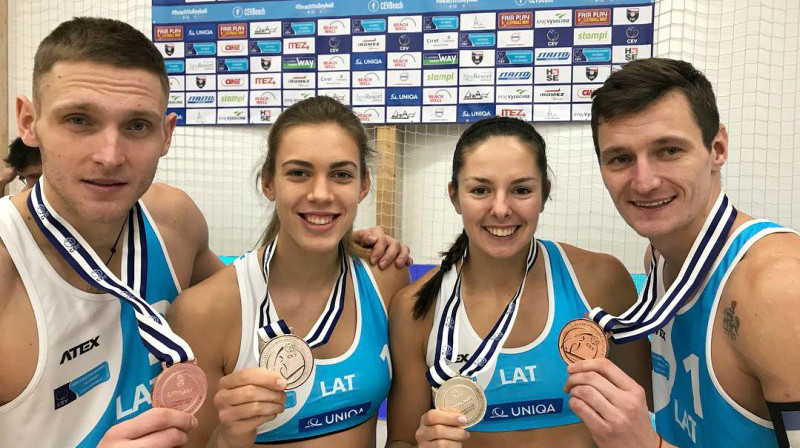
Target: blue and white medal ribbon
pixel 447 331
pixel 271 326
pixel 648 314
pixel 155 333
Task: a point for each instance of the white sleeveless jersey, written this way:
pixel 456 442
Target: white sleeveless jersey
pixel 92 370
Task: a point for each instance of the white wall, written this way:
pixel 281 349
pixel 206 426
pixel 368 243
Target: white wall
pixel 749 51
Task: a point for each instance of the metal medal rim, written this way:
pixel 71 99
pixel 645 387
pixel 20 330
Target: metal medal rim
pixel 303 348
pixel 194 372
pixel 578 323
pixel 479 396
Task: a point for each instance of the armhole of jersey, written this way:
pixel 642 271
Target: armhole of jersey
pixel 247 338
pixel 13 219
pixel 710 325
pixel 163 246
pixel 359 262
pixel 572 276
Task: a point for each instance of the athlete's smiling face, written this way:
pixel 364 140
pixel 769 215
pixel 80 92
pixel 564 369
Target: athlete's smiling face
pixel 317 185
pixel 101 130
pixel 499 196
pixel 661 176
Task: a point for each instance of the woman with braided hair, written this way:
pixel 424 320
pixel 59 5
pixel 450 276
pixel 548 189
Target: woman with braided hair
pixel 491 314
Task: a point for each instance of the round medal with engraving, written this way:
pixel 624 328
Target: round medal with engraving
pixel 181 386
pixel 290 356
pixel 582 339
pixel 463 395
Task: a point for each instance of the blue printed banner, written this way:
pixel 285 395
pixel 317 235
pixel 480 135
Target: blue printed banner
pixel 396 61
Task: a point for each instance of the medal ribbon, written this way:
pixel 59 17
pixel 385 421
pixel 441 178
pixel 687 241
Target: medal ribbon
pixel 648 314
pixel 154 331
pixel 447 329
pixel 271 326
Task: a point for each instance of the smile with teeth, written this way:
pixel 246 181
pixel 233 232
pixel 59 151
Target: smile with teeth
pixel 318 220
pixel 501 231
pixel 654 203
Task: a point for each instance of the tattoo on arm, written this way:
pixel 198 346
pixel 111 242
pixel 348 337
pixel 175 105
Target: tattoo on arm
pixel 730 323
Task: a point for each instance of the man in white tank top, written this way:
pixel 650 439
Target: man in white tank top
pixel 98 114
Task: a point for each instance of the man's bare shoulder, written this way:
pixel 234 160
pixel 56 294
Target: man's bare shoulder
pixel 168 204
pixel 603 278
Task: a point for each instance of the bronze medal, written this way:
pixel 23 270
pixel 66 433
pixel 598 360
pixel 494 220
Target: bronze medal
pixel 582 339
pixel 463 395
pixel 181 386
pixel 290 356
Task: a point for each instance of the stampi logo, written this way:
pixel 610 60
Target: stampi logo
pixel 440 77
pixel 170 32
pixel 334 27
pixel 232 30
pixel 592 36
pixel 259 30
pixel 405 24
pixel 553 19
pixel 592 17
pixel 515 20
pixel 364 44
pixel 232 99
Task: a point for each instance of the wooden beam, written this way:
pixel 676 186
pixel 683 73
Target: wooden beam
pixel 4 81
pixel 388 178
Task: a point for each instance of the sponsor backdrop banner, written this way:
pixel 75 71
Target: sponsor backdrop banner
pixel 404 61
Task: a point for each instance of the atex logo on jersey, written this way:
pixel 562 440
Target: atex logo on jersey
pixel 553 56
pixel 301 45
pixel 405 24
pixel 80 349
pixel 476 94
pixel 366 44
pixel 334 27
pixel 551 19
pixel 232 82
pixel 260 30
pixel 232 48
pixel 522 75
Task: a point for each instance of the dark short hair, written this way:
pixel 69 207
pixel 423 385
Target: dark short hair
pixel 99 40
pixel 22 156
pixel 643 82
